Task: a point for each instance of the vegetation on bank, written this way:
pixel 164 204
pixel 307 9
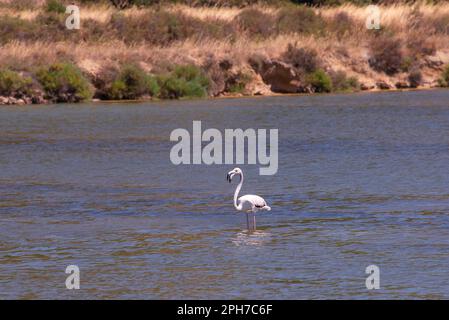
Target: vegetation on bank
pixel 239 3
pixel 13 83
pixel 444 80
pixel 162 26
pixel 131 82
pixel 64 82
pixel 183 81
pixel 148 50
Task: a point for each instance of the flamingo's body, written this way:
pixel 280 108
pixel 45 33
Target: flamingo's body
pixel 249 203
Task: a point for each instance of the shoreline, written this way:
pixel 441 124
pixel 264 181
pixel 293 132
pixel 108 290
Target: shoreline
pixel 132 54
pixel 234 97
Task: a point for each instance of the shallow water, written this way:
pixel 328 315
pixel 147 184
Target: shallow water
pixel 363 179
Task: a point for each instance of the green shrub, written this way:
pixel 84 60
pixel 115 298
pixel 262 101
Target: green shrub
pixel 191 73
pixel 64 82
pixel 183 81
pixel 117 91
pixel 130 82
pixel 319 81
pixel 153 86
pixel 54 6
pixel 238 83
pixel 444 80
pixel 12 83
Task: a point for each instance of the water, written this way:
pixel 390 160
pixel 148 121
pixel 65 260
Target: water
pixel 363 179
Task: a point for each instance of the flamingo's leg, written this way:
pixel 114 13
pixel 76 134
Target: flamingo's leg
pixel 247 221
pixel 254 220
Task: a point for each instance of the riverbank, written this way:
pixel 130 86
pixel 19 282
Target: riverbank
pixel 177 51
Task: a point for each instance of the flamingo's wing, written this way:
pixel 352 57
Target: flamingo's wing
pixel 257 201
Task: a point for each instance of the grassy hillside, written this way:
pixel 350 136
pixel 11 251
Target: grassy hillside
pixel 174 51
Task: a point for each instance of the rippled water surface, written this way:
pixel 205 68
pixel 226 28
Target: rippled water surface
pixel 363 179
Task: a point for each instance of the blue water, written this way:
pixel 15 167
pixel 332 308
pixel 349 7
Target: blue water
pixel 363 179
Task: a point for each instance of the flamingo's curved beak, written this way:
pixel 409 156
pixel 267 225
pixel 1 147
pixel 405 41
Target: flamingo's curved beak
pixel 229 176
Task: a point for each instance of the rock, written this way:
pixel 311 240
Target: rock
pixel 282 77
pixel 309 89
pixel 12 100
pixel 365 87
pixel 38 99
pixel 257 86
pixel 383 85
pixel 434 83
pixel 401 85
pixel 145 97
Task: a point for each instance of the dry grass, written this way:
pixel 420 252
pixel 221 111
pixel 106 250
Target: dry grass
pixel 22 14
pixel 189 51
pixel 226 13
pixel 396 15
pixel 342 49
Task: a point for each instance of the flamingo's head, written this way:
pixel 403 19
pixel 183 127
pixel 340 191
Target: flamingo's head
pixel 232 173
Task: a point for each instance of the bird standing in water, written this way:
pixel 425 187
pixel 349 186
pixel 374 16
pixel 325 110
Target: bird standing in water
pixel 249 203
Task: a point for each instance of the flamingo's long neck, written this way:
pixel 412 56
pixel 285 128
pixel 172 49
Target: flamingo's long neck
pixel 236 193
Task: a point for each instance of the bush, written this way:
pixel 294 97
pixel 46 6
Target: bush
pixel 386 54
pixel 132 83
pixel 255 22
pixel 299 20
pixel 420 46
pixel 341 83
pixel 183 81
pixel 415 77
pixel 302 58
pixel 341 24
pixel 444 80
pixel 440 23
pixel 64 82
pixel 13 84
pixel 16 29
pixel 163 27
pixel 319 81
pixel 238 83
pixel 54 6
pixel 20 4
pixel 217 73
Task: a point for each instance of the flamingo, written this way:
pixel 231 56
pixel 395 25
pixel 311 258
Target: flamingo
pixel 249 203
